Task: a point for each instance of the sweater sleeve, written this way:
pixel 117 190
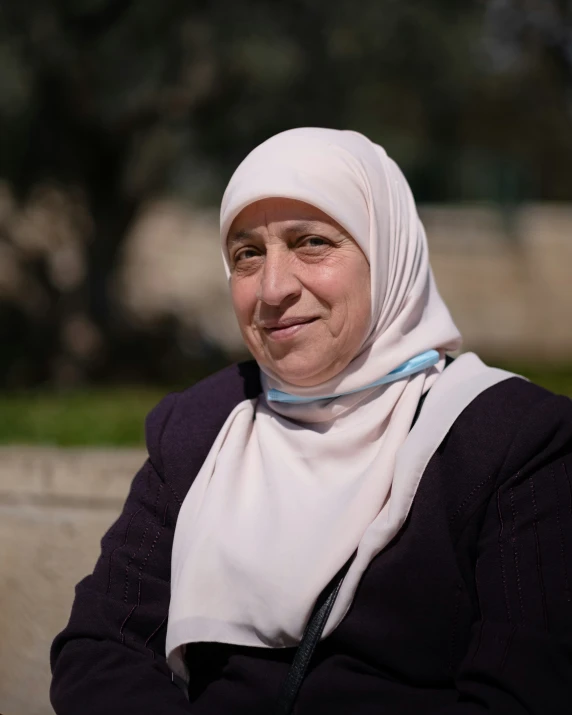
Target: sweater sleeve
pixel 519 661
pixel 110 658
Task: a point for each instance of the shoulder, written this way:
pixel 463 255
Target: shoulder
pixel 509 432
pixel 513 423
pixel 513 403
pixel 184 424
pixel 505 402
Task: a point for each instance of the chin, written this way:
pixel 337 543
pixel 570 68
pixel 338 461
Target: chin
pixel 299 371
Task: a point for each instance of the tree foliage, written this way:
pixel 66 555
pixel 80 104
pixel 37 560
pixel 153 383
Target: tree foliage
pixel 111 102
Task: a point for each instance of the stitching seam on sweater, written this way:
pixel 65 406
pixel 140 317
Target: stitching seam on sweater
pixel 143 564
pixel 479 639
pixel 455 626
pixel 121 546
pixel 561 536
pixel 515 552
pixel 469 498
pixel 538 557
pixel 177 497
pixel 502 561
pixel 507 647
pixel 153 634
pixel 132 557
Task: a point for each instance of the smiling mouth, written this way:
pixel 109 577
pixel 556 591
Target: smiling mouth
pixel 287 328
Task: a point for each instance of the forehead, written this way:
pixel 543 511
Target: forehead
pixel 278 213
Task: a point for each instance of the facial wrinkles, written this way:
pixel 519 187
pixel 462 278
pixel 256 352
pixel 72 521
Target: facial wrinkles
pixel 278 280
pixel 288 276
pixel 279 277
pixel 282 283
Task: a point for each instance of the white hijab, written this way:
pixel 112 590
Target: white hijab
pixel 289 492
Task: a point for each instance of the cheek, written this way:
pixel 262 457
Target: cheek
pixel 245 303
pixel 243 295
pixel 347 291
pixel 362 309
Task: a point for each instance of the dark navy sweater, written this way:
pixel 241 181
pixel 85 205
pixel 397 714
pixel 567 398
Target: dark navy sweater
pixel 467 611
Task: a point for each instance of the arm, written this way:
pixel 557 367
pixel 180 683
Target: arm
pixel 519 661
pixel 111 656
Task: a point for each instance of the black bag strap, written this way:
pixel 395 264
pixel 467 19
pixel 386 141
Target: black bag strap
pixel 310 639
pixel 317 622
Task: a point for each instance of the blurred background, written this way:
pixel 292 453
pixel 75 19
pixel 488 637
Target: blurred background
pixel 120 124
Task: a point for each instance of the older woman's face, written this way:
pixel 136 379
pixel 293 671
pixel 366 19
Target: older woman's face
pixel 300 288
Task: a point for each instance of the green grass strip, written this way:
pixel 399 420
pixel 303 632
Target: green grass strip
pixel 115 416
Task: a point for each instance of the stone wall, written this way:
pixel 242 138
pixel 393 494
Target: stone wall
pixel 506 275
pixel 55 504
pixel 507 278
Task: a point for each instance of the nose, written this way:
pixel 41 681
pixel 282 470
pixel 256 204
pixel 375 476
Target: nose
pixel 278 282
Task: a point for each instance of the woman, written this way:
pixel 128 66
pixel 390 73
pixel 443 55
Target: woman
pixel 439 530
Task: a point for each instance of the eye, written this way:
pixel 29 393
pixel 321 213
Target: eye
pixel 244 254
pixel 313 242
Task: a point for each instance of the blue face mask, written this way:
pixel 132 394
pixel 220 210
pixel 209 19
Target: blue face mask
pixel 410 367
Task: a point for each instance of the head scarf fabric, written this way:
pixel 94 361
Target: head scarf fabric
pixel 353 181
pixel 290 491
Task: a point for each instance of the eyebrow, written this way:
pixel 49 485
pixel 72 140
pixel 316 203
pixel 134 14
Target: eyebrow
pixel 302 227
pixel 293 229
pixel 238 236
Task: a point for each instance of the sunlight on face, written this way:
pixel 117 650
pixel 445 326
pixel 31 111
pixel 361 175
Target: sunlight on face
pixel 300 288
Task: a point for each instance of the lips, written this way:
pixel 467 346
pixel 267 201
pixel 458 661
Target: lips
pixel 286 328
pixel 270 325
